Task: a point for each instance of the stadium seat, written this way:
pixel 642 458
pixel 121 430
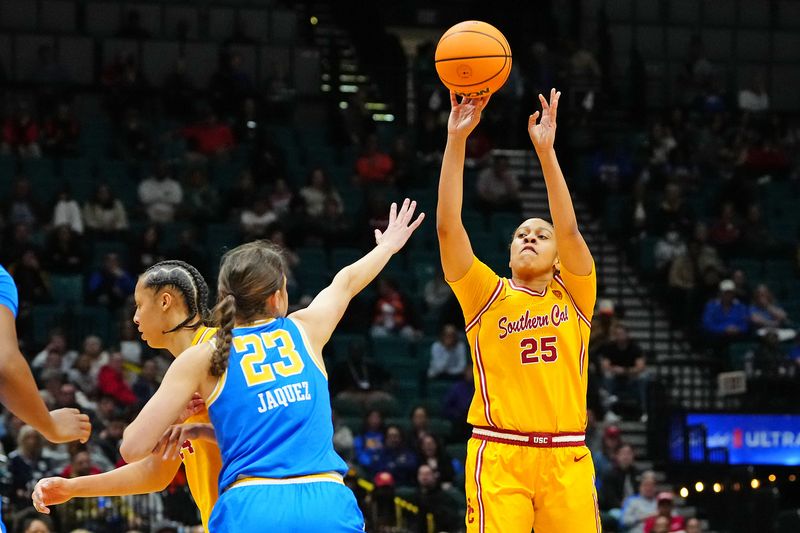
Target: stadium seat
pixel 220 238
pixel 345 407
pixel 341 257
pixel 388 407
pixel 440 427
pixel 102 248
pixel 78 53
pixel 92 320
pixel 391 347
pixel 45 318
pixel 67 290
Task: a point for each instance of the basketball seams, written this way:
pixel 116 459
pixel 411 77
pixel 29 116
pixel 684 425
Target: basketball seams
pixel 506 48
pixel 493 76
pixel 469 57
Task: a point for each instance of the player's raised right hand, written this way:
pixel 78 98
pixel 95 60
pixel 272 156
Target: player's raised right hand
pixel 51 491
pixel 464 116
pixel 68 424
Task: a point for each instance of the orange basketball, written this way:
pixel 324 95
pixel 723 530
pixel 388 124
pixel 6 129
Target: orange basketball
pixel 473 59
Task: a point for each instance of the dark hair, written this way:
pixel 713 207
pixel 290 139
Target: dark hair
pixel 248 274
pixel 188 281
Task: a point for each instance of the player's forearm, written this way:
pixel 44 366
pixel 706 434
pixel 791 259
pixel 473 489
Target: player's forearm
pixel 353 278
pixel 451 184
pixel 151 474
pixel 19 394
pixel 561 209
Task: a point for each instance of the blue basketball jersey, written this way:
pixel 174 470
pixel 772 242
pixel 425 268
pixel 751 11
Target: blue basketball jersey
pixel 271 408
pixel 8 291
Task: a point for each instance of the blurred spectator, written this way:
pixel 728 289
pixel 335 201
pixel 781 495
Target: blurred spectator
pixel 104 214
pixel 725 318
pixel 56 344
pixel 395 457
pixel 67 211
pixel 201 202
pixel 448 355
pixel 249 126
pixel 430 498
pixel 65 252
pixel 26 465
pixel 612 439
pixel 620 482
pixel 405 164
pixel 80 465
pixel 229 84
pixel 258 218
pixel 281 197
pixel 624 368
pixel 693 525
pixel 110 438
pixel 147 249
pixel 390 316
pixel 769 359
pixel 343 440
pixel 611 168
pixel 741 285
pixel 639 507
pixel 132 27
pixel 436 291
pixel 20 242
pixel 107 410
pixel 208 138
pixel 419 423
pixel 133 138
pixel 82 376
pixel 603 323
pixel 111 284
pixel 381 512
pixel 754 98
pixel 669 247
pixel 370 441
pixel 61 133
pixel 146 383
pixel 160 194
pixel 32 281
pixel 130 344
pixel 766 315
pixel 36 524
pixel 757 239
pixel 661 143
pixel 455 405
pixel 673 211
pixel 359 379
pixel 432 454
pixel 21 134
pixel 93 347
pixel 498 187
pixel 374 166
pixel 725 231
pixel 665 501
pixel 189 248
pixel 317 192
pixel 335 226
pixel 22 207
pixel 241 194
pixel 111 381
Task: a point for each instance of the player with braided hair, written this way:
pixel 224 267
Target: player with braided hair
pixel 172 314
pixel 267 393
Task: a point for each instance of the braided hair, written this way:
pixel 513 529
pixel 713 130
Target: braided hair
pixel 248 275
pixel 185 278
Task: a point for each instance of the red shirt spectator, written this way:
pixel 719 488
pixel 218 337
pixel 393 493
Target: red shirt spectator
pixel 374 166
pixel 664 501
pixel 21 131
pixel 210 137
pixel 111 381
pixel 81 465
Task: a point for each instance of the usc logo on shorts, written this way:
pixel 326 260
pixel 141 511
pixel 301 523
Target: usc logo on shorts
pixel 187 445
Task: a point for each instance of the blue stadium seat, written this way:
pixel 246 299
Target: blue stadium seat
pixel 67 290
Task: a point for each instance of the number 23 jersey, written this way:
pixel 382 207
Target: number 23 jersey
pixel 529 349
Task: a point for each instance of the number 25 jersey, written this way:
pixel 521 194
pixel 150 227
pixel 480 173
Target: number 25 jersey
pixel 529 349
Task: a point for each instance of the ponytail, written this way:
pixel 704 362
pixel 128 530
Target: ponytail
pixel 226 316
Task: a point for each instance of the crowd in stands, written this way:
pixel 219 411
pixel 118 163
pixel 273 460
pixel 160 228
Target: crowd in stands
pixel 179 176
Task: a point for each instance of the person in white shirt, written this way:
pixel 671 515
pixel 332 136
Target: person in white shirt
pixel 68 212
pixel 160 195
pixel 448 355
pixel 638 507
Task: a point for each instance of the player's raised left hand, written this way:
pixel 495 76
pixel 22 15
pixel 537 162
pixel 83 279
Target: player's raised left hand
pixel 400 226
pixel 543 134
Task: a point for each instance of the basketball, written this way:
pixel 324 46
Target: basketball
pixel 473 59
